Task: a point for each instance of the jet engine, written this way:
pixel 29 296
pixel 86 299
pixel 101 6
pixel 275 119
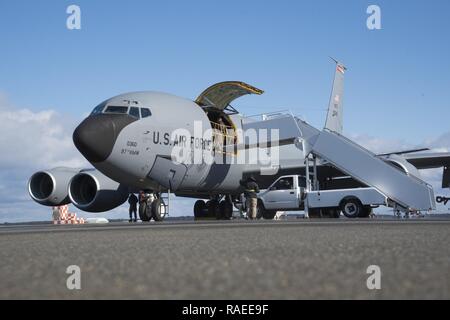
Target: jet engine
pixel 49 187
pixel 92 191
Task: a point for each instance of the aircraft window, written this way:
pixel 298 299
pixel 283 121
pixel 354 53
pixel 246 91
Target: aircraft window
pixel 134 112
pixel 114 109
pixel 145 112
pixel 98 109
pixel 284 184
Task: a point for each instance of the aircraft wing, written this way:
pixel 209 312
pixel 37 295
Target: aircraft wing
pixel 428 160
pixel 432 160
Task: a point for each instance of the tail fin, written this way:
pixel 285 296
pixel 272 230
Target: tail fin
pixel 336 106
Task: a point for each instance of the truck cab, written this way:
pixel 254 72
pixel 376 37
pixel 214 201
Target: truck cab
pixel 291 193
pixel 284 194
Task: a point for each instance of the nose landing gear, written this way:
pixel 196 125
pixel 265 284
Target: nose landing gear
pixel 152 206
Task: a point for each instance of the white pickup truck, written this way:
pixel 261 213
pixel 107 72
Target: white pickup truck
pixel 288 193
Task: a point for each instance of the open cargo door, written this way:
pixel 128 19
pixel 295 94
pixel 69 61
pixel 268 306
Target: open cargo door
pixel 220 95
pixel 215 101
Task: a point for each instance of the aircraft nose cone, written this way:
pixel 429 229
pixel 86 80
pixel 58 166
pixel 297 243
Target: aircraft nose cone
pixel 96 135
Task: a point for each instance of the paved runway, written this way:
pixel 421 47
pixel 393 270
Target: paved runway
pixel 324 259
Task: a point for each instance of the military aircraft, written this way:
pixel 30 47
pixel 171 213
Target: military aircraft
pixel 157 142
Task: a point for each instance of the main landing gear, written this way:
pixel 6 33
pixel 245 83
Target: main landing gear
pixel 220 208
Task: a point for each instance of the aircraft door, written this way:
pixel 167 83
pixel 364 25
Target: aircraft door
pixel 168 173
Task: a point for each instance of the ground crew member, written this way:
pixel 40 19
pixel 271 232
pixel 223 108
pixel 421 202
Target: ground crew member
pixel 55 213
pixel 223 132
pixel 251 189
pixel 133 200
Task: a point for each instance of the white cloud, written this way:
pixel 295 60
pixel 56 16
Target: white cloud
pixel 36 139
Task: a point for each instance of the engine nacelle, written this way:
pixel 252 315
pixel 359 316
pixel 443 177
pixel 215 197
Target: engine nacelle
pixel 50 187
pixel 92 191
pixel 403 165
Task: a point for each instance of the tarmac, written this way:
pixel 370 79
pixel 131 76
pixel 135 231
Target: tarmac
pixel 249 260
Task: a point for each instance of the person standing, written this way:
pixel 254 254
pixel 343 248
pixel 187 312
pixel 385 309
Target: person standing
pixel 133 200
pixel 251 189
pixel 55 213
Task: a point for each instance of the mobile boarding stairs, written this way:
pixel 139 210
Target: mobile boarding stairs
pixel 405 192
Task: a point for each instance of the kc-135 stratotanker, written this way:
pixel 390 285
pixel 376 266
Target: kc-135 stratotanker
pixel 158 143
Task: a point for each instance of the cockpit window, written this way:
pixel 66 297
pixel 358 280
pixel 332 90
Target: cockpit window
pixel 98 109
pixel 145 112
pixel 116 109
pixel 134 112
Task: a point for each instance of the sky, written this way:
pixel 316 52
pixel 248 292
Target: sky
pixel 397 87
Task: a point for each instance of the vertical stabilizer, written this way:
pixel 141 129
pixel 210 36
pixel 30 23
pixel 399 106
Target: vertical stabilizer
pixel 336 106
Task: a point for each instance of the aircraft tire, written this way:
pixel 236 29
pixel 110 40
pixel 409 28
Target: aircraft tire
pixel 332 213
pixel 336 213
pixel 366 212
pixel 156 211
pixel 226 210
pixel 213 208
pixel 144 211
pixel 269 214
pixel 314 212
pixel 199 209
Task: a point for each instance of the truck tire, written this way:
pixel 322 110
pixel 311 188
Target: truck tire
pixel 263 213
pixel 145 211
pixel 199 209
pixel 366 212
pixel 260 210
pixel 351 207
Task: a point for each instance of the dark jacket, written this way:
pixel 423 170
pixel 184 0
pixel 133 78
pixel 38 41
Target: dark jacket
pixel 251 188
pixel 133 200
